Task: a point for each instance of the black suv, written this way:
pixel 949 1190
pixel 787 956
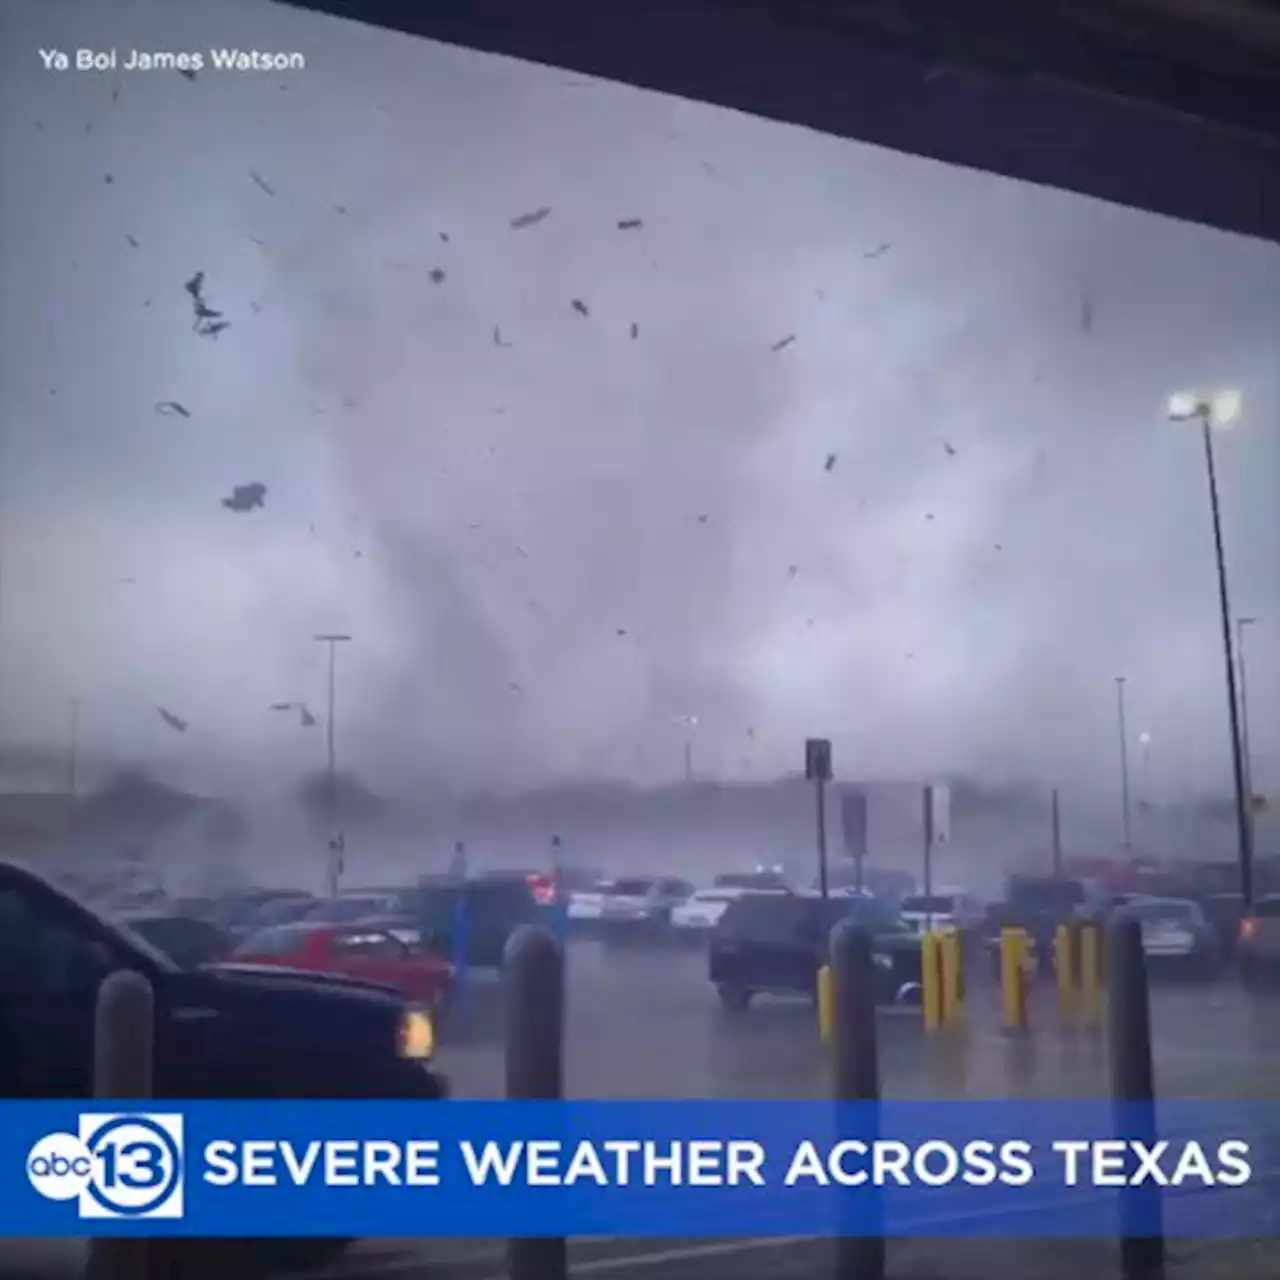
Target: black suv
pixel 222 1031
pixel 488 908
pixel 777 943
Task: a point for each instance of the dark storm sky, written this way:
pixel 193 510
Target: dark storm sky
pixel 552 548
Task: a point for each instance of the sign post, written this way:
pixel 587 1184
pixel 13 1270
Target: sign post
pixel 853 824
pixel 937 830
pixel 817 769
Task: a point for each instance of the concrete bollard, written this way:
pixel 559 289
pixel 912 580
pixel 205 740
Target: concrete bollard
pixel 1092 975
pixel 533 1009
pixel 931 983
pixel 1066 969
pixel 1133 1091
pixel 953 983
pixel 1013 979
pixel 855 1070
pixel 826 1004
pixel 123 1067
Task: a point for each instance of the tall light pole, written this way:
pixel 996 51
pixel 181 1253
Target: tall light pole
pixel 1241 624
pixel 1212 411
pixel 690 723
pixel 1126 814
pixel 73 761
pixel 336 842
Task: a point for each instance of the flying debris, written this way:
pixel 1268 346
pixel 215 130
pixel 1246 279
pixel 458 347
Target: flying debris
pixel 261 183
pixel 999 546
pixel 630 224
pixel 186 71
pixel 437 275
pixel 444 235
pixel 830 464
pixel 635 330
pixel 702 519
pixel 167 409
pixel 244 497
pixel 174 722
pixel 877 252
pixel 108 178
pixel 305 717
pixel 131 241
pixel 950 449
pixel 497 338
pixel 530 219
pixel 792 570
pixel 282 706
pixel 928 515
pixel 209 322
pixel 580 307
pixel 514 686
pixel 783 343
pixel 125 582
pixel 1086 309
pixel 622 631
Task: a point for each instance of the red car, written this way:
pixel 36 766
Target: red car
pixel 352 951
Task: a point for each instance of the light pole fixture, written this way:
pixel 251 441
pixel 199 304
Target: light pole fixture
pixel 1212 411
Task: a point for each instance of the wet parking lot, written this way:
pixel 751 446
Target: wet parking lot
pixel 645 1022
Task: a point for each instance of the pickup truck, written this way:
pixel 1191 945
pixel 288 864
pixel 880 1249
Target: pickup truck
pixel 221 1030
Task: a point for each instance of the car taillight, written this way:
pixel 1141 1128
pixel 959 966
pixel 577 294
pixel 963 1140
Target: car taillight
pixel 1248 927
pixel 544 890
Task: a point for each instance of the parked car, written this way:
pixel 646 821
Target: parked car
pixel 1224 912
pixel 1258 948
pixel 641 903
pixel 186 941
pixel 222 1030
pixel 359 904
pixel 1037 905
pixel 699 913
pixel 776 944
pixel 487 908
pixel 353 951
pixel 1176 934
pixel 942 910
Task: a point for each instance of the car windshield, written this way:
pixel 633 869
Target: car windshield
pixel 1166 911
pixel 347 910
pixel 751 880
pixel 284 941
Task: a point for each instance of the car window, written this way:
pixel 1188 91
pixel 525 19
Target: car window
pixel 942 904
pixel 43 955
pixel 765 917
pixel 287 940
pixel 369 944
pixel 347 910
pixel 282 911
pixel 676 888
pixel 1167 911
pixel 634 888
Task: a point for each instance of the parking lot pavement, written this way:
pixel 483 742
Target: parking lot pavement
pixel 645 1023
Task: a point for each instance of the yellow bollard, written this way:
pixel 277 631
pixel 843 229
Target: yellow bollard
pixel 1013 978
pixel 1066 968
pixel 1091 975
pixel 952 979
pixel 931 981
pixel 826 1004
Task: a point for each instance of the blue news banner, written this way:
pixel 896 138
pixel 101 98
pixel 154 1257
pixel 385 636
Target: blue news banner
pixel 958 1169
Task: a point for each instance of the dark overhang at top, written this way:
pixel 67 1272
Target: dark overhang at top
pixel 1167 105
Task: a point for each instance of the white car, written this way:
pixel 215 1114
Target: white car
pixel 941 910
pixel 642 899
pixel 588 904
pixel 703 909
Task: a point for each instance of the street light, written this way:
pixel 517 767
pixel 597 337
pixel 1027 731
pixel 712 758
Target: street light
pixel 690 723
pixel 336 843
pixel 1124 763
pixel 1241 624
pixel 1219 409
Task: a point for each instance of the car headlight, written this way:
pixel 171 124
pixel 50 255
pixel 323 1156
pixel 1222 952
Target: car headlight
pixel 416 1037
